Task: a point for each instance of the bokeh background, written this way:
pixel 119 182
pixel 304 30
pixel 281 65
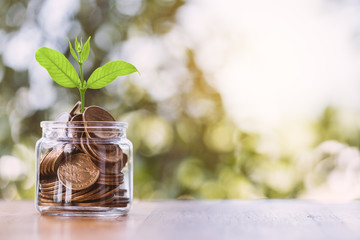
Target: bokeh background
pixel 236 99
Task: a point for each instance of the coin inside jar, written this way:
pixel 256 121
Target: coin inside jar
pixel 105 152
pixel 77 172
pixel 98 114
pixel 76 118
pixel 95 113
pixel 50 162
pixel 75 109
pixel 63 117
pixel 76 126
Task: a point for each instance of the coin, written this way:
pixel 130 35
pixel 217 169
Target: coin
pixel 52 188
pixel 113 201
pixel 124 160
pixel 76 126
pixel 106 194
pixel 84 148
pixel 75 109
pixel 110 183
pixel 49 204
pixel 98 114
pixel 70 148
pixel 57 157
pixel 95 113
pixel 77 172
pixel 101 190
pixel 103 203
pixel 77 118
pixel 103 155
pixel 54 197
pixel 105 151
pixel 48 187
pixel 42 162
pixel 120 199
pixel 63 117
pixel 46 200
pixel 111 179
pixel 108 168
pixel 84 195
pixel 50 162
pixel 68 195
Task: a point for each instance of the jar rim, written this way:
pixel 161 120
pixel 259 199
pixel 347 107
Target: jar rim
pixel 79 124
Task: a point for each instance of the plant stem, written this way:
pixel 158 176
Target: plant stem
pixel 82 89
pixel 81 74
pixel 82 98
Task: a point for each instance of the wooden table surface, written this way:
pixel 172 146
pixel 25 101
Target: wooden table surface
pixel 223 219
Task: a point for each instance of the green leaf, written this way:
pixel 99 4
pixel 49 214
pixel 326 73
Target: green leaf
pixel 85 51
pixel 72 51
pixel 77 45
pixel 58 67
pixel 108 73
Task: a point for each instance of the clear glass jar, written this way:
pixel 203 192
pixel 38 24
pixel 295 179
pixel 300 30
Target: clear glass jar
pixel 84 169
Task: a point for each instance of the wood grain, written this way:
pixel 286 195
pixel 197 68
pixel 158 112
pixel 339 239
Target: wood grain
pixel 225 219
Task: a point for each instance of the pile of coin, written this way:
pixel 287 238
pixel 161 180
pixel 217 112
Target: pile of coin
pixel 84 169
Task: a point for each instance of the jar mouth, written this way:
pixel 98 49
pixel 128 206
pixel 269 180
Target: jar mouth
pixel 81 124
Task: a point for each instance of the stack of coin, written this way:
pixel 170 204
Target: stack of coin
pixel 87 169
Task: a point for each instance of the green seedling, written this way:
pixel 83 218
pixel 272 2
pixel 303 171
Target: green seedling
pixel 64 73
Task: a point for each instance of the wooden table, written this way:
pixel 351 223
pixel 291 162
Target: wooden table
pixel 223 219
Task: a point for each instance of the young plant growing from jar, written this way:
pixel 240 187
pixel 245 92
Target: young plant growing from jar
pixel 84 162
pixel 64 74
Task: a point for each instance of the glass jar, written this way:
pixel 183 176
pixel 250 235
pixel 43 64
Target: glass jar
pixel 84 169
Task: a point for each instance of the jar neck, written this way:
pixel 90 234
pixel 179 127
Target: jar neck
pixel 96 130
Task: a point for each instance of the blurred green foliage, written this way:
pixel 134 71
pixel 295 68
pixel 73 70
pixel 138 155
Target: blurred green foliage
pixel 185 146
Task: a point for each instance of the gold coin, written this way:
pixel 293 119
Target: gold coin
pixel 77 172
